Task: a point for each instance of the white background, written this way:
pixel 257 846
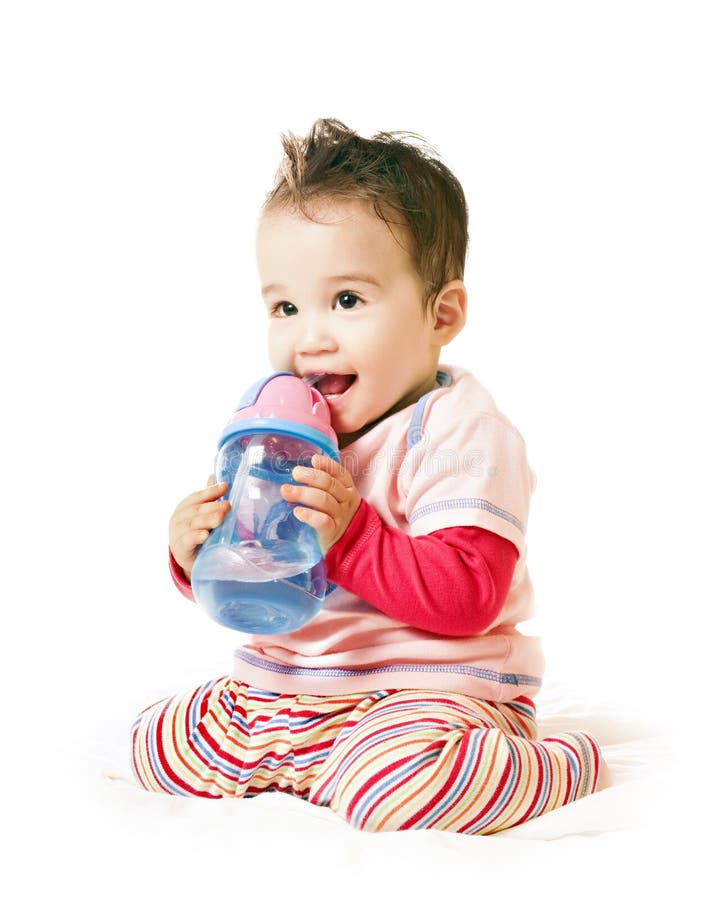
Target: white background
pixel 139 141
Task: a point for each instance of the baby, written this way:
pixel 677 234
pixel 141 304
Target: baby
pixel 407 702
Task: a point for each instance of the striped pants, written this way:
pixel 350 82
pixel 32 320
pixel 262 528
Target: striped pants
pixel 392 760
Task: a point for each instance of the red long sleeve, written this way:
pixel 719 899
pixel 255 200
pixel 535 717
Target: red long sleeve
pixel 453 581
pixel 179 578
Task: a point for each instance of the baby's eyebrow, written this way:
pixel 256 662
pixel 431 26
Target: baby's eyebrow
pixel 355 276
pixel 358 277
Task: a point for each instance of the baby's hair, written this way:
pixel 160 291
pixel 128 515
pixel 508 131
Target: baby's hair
pixel 398 173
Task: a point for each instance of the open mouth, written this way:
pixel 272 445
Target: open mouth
pixel 330 384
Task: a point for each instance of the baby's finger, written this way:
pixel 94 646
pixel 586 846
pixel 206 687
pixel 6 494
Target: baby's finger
pixel 335 469
pixel 211 506
pixel 310 496
pixel 316 477
pixel 210 515
pixel 212 492
pixel 322 522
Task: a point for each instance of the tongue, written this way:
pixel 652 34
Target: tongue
pixel 334 384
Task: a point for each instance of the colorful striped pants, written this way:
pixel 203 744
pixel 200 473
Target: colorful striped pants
pixel 392 760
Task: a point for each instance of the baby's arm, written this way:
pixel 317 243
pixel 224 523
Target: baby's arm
pixel 453 581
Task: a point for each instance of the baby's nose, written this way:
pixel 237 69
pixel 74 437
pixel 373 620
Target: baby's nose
pixel 316 335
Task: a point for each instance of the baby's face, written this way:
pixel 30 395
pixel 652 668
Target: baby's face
pixel 344 300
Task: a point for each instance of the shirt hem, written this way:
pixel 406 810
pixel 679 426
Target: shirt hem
pixel 472 681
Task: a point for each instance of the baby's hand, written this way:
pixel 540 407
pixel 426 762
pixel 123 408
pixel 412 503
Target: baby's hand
pixel 192 520
pixel 329 497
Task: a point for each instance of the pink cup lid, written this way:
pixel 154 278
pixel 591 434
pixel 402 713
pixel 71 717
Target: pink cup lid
pixel 285 404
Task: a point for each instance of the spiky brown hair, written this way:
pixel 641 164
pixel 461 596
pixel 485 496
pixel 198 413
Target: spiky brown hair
pixel 398 173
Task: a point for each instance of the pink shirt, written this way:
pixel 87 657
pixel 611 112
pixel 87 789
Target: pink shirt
pixel 450 460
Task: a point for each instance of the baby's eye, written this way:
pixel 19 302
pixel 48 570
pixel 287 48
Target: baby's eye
pixel 347 300
pixel 283 309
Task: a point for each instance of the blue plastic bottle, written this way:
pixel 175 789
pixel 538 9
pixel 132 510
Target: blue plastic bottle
pixel 262 571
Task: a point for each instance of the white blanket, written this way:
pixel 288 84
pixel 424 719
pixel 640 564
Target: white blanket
pixel 113 839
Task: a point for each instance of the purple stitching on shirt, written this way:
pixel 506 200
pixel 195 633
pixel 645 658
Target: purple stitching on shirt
pixel 415 433
pixel 460 669
pixel 465 503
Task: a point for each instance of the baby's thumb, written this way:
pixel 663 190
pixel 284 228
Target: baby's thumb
pixel 211 480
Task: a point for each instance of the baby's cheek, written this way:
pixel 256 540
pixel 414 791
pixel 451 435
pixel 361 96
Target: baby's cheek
pixel 279 346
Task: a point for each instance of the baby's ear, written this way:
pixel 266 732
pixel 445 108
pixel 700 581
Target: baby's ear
pixel 448 311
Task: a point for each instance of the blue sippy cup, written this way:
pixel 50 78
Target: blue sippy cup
pixel 261 570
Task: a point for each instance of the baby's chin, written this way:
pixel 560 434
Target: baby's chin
pixel 347 429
